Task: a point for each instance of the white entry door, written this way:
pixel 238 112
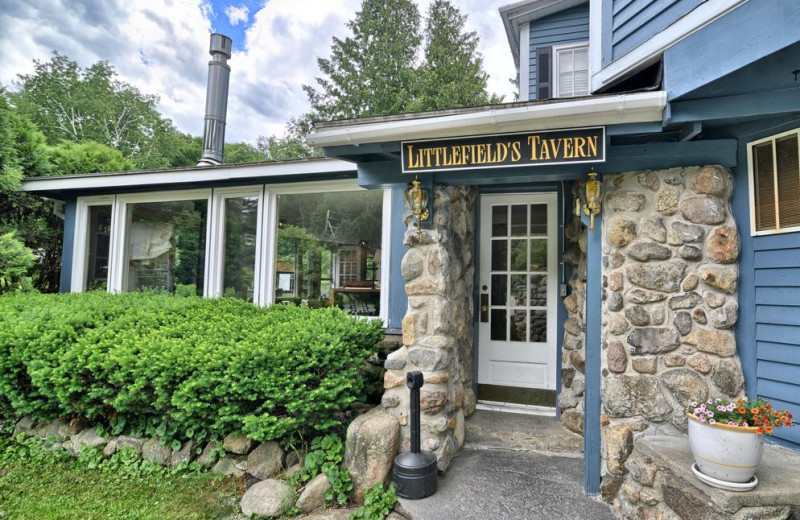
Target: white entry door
pixel 518 290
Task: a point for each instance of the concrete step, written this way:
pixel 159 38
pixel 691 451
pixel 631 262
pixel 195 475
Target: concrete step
pixel 520 432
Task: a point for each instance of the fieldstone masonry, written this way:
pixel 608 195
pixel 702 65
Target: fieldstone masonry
pixel 670 302
pixel 437 329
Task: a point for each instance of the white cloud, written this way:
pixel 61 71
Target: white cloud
pixel 237 15
pixel 163 49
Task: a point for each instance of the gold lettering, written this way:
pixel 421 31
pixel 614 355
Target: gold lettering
pixel 455 150
pixel 465 155
pixel 481 154
pixel 580 142
pixel 555 144
pixel 545 150
pixel 502 152
pixel 592 146
pixel 516 155
pixel 410 154
pixel 568 150
pixel 447 159
pixel 534 140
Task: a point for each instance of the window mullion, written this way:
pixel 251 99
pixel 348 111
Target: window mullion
pixel 775 183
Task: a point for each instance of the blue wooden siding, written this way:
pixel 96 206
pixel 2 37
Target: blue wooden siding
pixel 776 262
pixel 65 283
pixel 569 26
pixel 633 22
pixel 398 301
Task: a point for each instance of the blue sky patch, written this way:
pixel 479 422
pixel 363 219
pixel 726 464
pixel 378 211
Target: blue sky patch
pixel 233 18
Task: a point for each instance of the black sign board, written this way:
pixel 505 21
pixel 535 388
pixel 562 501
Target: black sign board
pixel 577 145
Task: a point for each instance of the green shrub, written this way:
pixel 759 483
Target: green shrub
pixel 178 368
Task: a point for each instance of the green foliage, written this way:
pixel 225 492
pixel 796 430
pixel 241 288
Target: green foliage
pixel 378 503
pixel 15 260
pixel 371 72
pixel 71 158
pixel 325 457
pixel 180 368
pixel 451 74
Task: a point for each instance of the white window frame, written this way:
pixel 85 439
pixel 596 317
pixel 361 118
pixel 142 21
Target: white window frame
pixel 270 238
pixel 80 259
pixel 216 261
pixel 752 184
pixel 555 75
pixel 119 234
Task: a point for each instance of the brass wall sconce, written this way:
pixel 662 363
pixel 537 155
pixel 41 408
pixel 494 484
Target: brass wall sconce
pixel 416 198
pixel 592 197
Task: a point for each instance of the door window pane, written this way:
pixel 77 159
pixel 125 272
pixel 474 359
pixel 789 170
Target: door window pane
pixel 519 220
pixel 329 250
pixel 98 247
pixel 539 219
pixel 499 289
pixel 538 290
pixel 166 246
pixel 538 254
pixel 519 289
pixel 519 326
pixel 519 255
pixel 499 221
pixel 239 262
pixel 539 326
pixel 499 255
pixel 497 325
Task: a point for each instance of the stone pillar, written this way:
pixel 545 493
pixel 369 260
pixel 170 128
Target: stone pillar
pixel 437 329
pixel 670 302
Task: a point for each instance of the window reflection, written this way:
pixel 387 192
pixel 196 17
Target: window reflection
pixel 328 250
pixel 241 227
pixel 98 247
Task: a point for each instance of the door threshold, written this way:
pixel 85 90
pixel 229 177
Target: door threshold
pixel 526 409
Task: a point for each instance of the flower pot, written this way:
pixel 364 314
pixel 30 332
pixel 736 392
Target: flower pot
pixel 724 452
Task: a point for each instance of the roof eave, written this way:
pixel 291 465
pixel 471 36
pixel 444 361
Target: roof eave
pixel 591 111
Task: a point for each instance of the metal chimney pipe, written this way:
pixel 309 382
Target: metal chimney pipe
pixel 216 100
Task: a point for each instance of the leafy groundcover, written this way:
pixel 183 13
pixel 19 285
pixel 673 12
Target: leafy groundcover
pixel 180 368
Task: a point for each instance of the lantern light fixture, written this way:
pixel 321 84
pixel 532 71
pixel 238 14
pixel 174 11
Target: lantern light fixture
pixel 416 198
pixel 592 196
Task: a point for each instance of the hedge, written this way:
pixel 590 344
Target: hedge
pixel 181 368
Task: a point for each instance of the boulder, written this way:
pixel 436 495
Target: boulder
pixel 689 300
pixel 123 441
pixel 711 180
pixel 372 441
pixel 616 358
pixel 625 201
pixel 720 343
pixel 649 180
pixel 621 232
pixel 231 466
pixel 238 444
pixel 723 245
pixel 653 227
pixel 706 209
pixel 728 377
pixel 658 276
pixel 688 232
pixel 630 395
pixel 646 251
pixel 637 315
pixel 686 385
pixel 725 317
pixel 619 444
pixel 25 426
pixel 185 454
pixel 87 438
pixel 639 296
pixel 208 457
pixel 721 278
pixel 667 203
pixel 653 340
pixel 573 421
pixel 265 461
pixel 267 498
pixel 313 495
pixel 683 322
pixel 153 451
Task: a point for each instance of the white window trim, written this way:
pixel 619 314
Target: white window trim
pixel 554 74
pixel 119 224
pixel 270 239
pixel 524 62
pixel 80 258
pixel 752 184
pixel 216 261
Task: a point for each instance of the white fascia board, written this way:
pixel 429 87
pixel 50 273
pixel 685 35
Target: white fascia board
pixel 652 49
pixel 195 176
pixel 592 111
pixel 523 73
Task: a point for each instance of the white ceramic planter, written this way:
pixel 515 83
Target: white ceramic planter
pixel 724 452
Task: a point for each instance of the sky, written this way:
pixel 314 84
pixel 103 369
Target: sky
pixel 161 47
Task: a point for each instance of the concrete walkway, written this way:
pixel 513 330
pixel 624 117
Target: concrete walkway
pixel 489 484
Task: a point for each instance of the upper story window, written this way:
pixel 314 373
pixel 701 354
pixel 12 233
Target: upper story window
pixel 571 70
pixel 774 166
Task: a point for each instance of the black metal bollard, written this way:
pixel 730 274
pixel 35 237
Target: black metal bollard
pixel 415 471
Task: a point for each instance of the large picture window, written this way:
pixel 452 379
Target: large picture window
pixel 328 250
pixel 165 246
pixel 775 183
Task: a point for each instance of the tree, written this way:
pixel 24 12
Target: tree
pixel 15 261
pixel 451 74
pixel 292 145
pixel 92 104
pixel 70 158
pixel 372 72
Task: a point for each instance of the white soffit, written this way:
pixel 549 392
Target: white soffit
pixel 257 172
pixel 589 111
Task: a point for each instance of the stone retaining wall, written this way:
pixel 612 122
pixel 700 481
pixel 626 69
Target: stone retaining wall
pixel 438 269
pixel 670 301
